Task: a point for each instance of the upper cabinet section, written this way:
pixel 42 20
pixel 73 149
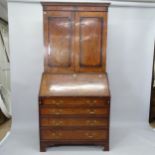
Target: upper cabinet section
pixel 75 37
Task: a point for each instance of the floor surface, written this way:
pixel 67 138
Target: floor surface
pixel 124 140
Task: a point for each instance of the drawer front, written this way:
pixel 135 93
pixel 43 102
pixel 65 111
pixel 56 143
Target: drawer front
pixel 75 102
pixel 48 122
pixel 48 134
pixel 76 111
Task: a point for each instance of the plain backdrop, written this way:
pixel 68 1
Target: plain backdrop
pixel 3 10
pixel 131 33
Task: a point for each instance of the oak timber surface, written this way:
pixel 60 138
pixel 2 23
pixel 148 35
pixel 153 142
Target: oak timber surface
pixel 74 91
pixel 74 85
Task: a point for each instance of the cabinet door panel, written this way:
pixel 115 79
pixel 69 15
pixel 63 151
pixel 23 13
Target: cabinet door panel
pixel 59 45
pixel 91 41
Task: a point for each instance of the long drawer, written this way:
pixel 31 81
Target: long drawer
pixel 48 134
pixel 75 102
pixel 75 111
pixel 60 122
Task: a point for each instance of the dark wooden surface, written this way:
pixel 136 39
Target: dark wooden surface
pixel 90 45
pixel 60 6
pixel 48 134
pixel 152 107
pixel 152 96
pixel 74 102
pixel 73 122
pixel 84 124
pixel 59 41
pixel 69 45
pixel 74 97
pixel 74 85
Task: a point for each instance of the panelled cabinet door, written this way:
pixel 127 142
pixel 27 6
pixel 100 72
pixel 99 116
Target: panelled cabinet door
pixel 90 41
pixel 59 41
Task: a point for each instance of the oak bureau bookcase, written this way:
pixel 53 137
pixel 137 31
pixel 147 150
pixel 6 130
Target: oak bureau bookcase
pixel 74 97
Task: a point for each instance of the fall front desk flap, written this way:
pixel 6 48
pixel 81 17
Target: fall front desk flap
pixel 74 85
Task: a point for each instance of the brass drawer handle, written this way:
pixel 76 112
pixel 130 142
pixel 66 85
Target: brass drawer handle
pixel 57 123
pixel 90 103
pixel 91 122
pixel 90 135
pixel 91 111
pixel 61 101
pixel 53 101
pixel 57 103
pixel 87 101
pixel 57 111
pixel 56 135
pixel 53 134
pixel 95 101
